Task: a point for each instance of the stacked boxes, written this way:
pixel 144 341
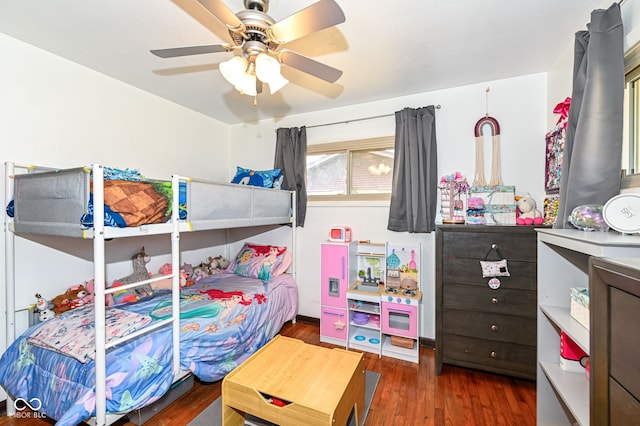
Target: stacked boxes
pixel 499 203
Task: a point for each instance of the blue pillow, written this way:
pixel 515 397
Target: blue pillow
pixel 263 178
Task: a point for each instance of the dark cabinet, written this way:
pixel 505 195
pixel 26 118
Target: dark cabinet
pixel 615 342
pixel 477 325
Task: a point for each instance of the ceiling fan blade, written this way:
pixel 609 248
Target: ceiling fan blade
pixel 191 50
pixel 309 66
pixel 318 16
pixel 222 13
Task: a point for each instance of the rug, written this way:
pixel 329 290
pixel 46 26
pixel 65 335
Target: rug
pixel 212 415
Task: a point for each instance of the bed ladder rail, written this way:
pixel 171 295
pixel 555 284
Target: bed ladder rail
pixel 101 417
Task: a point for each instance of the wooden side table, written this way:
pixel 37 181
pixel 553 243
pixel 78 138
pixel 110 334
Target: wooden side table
pixel 289 382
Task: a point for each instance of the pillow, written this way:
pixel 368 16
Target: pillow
pixel 263 178
pixel 260 261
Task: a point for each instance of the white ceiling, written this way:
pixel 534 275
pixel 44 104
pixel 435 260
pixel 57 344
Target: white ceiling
pixel 385 48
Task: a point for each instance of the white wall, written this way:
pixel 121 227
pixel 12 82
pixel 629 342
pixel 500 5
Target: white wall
pixel 56 113
pixel 519 104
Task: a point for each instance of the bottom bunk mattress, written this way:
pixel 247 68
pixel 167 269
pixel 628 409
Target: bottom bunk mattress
pixel 224 318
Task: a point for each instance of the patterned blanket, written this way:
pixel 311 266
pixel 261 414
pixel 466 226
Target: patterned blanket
pixel 73 332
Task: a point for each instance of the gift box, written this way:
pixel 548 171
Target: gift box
pixel 580 305
pixel 500 214
pixel 495 194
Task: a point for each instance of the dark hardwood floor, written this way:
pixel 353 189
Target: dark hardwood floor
pixel 408 394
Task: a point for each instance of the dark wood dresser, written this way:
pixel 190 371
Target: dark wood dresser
pixel 491 329
pixel 615 343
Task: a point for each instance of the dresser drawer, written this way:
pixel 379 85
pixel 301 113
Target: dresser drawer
pixel 483 299
pixel 474 245
pixel 482 325
pixel 498 357
pixel 624 409
pixel 523 275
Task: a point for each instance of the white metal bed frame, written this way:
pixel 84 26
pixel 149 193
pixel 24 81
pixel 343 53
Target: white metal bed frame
pixel 99 234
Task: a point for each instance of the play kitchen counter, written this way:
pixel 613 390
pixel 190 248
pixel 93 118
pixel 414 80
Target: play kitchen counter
pixel 484 323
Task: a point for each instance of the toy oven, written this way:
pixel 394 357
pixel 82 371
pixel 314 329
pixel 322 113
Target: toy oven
pixel 399 317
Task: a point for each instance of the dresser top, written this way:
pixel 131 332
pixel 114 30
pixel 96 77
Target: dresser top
pixel 486 228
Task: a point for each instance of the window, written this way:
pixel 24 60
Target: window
pixel 631 135
pixel 352 170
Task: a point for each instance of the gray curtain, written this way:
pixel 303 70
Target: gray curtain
pixel 414 188
pixel 291 159
pixel 593 148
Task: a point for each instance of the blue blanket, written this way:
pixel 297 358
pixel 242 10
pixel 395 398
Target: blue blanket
pixel 224 319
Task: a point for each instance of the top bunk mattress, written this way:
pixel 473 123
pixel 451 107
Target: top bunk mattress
pixel 60 203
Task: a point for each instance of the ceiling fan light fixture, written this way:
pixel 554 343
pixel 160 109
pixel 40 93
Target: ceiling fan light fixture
pixel 277 83
pixel 268 71
pixel 246 84
pixel 234 69
pixel 267 67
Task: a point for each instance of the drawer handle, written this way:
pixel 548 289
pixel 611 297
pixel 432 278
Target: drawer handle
pixel 494 300
pixel 494 327
pixel 494 354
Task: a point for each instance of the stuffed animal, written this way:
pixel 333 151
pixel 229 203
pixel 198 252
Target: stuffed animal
pixel 46 315
pixel 218 263
pixel 70 299
pixel 41 303
pixel 91 291
pixel 529 214
pixel 140 273
pixel 42 309
pixel 78 293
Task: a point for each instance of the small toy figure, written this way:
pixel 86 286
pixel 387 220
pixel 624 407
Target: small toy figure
pixel 529 214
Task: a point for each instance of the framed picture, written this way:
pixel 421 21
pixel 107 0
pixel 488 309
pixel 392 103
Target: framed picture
pixel 553 168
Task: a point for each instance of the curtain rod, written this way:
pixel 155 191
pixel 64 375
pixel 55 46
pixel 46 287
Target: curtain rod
pixel 356 119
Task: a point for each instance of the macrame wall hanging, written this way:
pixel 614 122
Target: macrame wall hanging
pixel 496 167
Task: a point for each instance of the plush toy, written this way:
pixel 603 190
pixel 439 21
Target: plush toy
pixel 217 264
pixel 41 303
pixel 70 299
pixel 91 291
pixel 140 273
pixel 528 213
pixel 46 315
pixel 167 284
pixel 42 309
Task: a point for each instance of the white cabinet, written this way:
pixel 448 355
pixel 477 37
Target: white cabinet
pixel 563 262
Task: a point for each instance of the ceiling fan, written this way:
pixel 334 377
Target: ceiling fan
pixel 258 39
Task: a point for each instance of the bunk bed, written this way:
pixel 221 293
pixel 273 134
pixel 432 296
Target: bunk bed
pixel 240 310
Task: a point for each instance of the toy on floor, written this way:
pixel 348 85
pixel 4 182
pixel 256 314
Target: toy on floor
pixel 528 213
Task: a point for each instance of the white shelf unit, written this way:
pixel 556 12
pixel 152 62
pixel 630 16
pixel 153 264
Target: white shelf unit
pixel 563 262
pixel 365 337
